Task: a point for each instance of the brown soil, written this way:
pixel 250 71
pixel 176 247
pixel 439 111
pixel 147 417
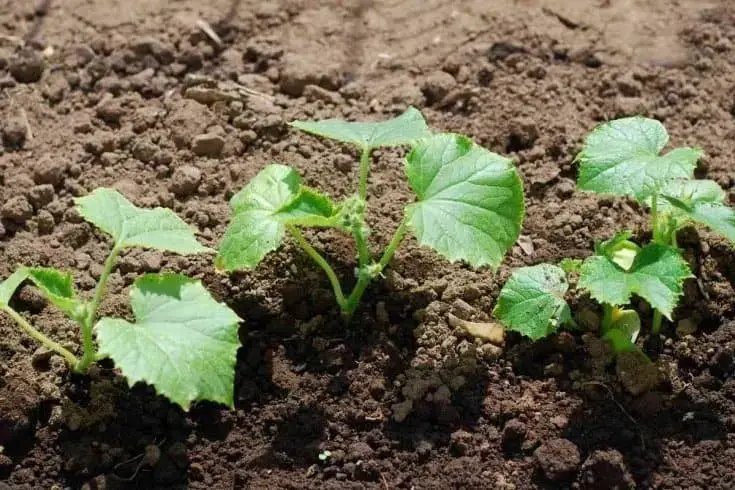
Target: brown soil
pixel 134 95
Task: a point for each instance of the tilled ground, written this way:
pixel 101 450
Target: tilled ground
pixel 136 95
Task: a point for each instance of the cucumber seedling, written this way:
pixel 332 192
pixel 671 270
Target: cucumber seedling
pixel 469 203
pixel 183 342
pixel 622 157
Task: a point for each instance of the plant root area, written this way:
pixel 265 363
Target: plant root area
pixel 180 103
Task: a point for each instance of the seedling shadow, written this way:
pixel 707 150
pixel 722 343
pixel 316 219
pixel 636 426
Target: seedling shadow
pixel 106 427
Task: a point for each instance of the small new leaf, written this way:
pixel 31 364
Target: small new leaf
pixel 622 157
pixel 56 286
pixel 402 130
pixel 619 249
pixel 470 200
pixel 532 301
pixel 9 285
pixel 131 226
pixel 262 209
pixel 622 330
pixel 656 275
pixel 700 201
pixel 183 342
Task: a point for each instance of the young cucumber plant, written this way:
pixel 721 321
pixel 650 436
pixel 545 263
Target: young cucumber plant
pixel 622 157
pixel 183 341
pixel 469 203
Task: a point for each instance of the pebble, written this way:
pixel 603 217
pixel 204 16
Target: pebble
pixel 208 144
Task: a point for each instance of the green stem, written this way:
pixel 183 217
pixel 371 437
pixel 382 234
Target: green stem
pixel 45 341
pixel 321 262
pixel 364 279
pixel 364 171
pixel 654 217
pixel 657 319
pixel 87 323
pixel 358 231
pixel 393 245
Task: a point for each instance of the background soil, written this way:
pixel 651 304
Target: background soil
pixel 135 95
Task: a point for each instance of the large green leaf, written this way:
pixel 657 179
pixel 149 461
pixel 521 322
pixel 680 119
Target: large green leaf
pixel 57 287
pixel 183 342
pixel 470 200
pixel 9 285
pixel 621 157
pixel 656 275
pixel 532 301
pixel 700 201
pixel 131 226
pixel 262 209
pixel 402 130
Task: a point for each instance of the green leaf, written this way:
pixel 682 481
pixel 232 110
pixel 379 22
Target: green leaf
pixel 470 200
pixel 9 285
pixel 623 330
pixel 570 265
pixel 532 301
pixel 131 226
pixel 57 287
pixel 183 342
pixel 619 249
pixel 402 130
pixel 262 209
pixel 656 275
pixel 700 201
pixel 621 157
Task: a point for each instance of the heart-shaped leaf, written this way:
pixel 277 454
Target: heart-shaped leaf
pixel 656 275
pixel 262 209
pixel 183 342
pixel 131 226
pixel 57 287
pixel 402 130
pixel 700 201
pixel 622 157
pixel 470 200
pixel 532 301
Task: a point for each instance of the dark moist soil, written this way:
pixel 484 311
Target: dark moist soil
pixel 137 96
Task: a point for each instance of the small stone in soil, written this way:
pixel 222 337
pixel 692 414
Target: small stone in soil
pixel 558 459
pixel 208 144
pixel 14 133
pixel 606 470
pixel 18 400
pixel 27 66
pixel 185 180
pixel 514 432
pixel 17 209
pixel 636 372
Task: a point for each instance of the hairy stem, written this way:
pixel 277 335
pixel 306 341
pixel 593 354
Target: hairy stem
pixel 321 262
pixel 41 338
pixel 364 279
pixel 654 217
pixel 364 171
pixel 87 323
pixel 395 242
pixel 363 251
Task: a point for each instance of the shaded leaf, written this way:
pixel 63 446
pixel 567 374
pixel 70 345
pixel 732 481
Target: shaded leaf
pixel 57 287
pixel 532 301
pixel 700 201
pixel 9 285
